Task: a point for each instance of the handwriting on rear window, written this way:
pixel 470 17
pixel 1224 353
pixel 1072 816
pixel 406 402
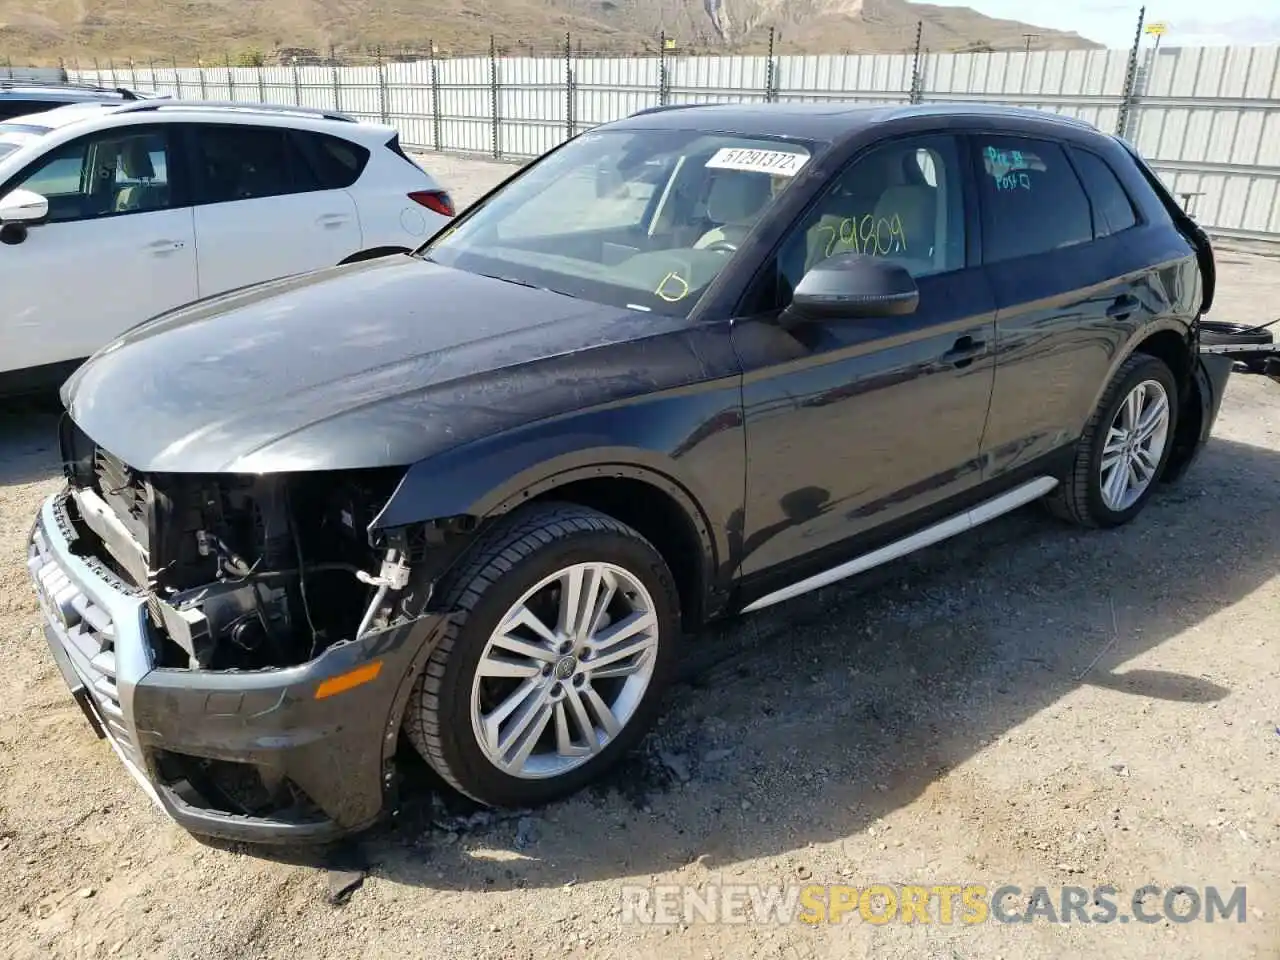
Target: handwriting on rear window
pixel 1006 168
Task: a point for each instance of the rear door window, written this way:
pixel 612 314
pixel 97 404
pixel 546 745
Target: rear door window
pixel 248 162
pixel 1112 208
pixel 1032 201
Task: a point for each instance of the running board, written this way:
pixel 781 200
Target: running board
pixel 995 507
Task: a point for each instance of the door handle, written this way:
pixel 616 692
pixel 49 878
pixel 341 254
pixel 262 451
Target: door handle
pixel 159 247
pixel 333 219
pixel 963 351
pixel 1122 307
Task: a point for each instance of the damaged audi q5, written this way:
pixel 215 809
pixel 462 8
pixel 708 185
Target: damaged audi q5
pixel 687 365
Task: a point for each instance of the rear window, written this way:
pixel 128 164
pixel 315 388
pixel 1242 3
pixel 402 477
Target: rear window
pixel 1113 211
pixel 337 163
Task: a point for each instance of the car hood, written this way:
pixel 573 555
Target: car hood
pixel 367 365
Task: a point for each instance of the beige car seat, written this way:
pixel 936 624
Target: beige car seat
pixel 734 202
pixel 135 164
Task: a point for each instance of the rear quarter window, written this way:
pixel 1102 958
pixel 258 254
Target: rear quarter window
pixel 1112 208
pixel 338 163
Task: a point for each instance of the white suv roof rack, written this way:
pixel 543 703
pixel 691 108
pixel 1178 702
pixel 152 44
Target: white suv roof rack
pixel 233 105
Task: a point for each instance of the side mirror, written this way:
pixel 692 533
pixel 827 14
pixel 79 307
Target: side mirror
pixel 851 285
pixel 23 206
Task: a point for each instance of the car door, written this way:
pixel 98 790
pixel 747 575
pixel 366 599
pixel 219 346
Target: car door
pixel 261 212
pixel 853 425
pixel 1067 289
pixel 117 247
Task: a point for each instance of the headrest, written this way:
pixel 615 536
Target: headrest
pixel 737 196
pixel 135 160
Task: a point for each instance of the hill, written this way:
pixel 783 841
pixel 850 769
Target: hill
pixel 43 30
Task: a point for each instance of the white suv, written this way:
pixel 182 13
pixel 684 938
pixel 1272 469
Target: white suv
pixel 111 214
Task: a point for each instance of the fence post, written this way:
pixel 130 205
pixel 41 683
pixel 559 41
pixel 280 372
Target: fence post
pixel 62 68
pixel 231 81
pixel 97 70
pixel 570 84
pixel 1130 80
pixel 917 91
pixel 337 86
pixel 111 65
pixel 493 96
pixel 297 83
pixel 204 89
pixel 771 72
pixel 382 87
pixel 663 91
pixel 177 78
pixel 437 128
pixel 133 73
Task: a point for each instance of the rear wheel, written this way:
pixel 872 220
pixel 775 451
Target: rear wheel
pixel 1124 448
pixel 553 669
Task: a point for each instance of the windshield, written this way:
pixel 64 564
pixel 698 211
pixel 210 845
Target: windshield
pixel 638 219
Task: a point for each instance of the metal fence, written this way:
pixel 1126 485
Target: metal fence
pixel 1208 118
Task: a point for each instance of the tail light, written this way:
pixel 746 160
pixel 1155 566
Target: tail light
pixel 436 200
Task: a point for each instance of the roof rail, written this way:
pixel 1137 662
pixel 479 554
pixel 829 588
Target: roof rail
pixel 247 107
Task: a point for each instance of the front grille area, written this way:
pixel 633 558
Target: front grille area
pixel 89 638
pixel 124 490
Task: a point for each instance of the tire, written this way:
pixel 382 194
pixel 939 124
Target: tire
pixel 522 551
pixel 1080 498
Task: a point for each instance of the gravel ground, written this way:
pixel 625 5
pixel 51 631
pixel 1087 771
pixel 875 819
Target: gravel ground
pixel 1031 705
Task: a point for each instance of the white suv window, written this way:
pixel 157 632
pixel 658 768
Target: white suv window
pixel 104 174
pixel 249 162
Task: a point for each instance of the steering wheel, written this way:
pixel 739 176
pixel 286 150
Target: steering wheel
pixel 722 246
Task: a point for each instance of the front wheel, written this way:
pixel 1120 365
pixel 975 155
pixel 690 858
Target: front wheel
pixel 564 640
pixel 1124 447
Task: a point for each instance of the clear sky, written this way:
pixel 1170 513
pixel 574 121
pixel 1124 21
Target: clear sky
pixel 1190 22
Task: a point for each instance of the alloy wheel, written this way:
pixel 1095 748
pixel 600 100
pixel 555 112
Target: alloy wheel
pixel 1134 445
pixel 564 671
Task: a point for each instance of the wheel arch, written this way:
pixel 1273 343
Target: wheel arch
pixel 636 487
pixel 1175 345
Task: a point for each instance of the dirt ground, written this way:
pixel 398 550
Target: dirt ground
pixel 1031 705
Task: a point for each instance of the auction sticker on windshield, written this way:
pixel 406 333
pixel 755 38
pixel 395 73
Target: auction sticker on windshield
pixel 780 163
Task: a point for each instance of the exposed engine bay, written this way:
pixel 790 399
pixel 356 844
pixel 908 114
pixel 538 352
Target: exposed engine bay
pixel 241 571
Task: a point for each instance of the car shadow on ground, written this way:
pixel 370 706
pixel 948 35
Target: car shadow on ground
pixel 808 722
pixel 29 439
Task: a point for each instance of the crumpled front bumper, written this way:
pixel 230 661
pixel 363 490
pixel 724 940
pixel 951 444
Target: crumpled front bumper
pixel 170 726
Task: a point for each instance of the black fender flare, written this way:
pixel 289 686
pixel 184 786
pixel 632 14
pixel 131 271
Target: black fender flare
pixel 486 479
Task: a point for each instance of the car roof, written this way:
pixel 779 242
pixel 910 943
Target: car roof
pixel 830 121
